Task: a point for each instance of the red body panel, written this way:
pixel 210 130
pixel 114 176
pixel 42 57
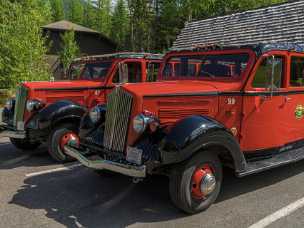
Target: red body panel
pixel 257 122
pixel 87 93
pixel 269 121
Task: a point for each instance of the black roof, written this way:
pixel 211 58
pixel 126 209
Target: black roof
pixel 120 55
pixel 258 48
pixel 282 23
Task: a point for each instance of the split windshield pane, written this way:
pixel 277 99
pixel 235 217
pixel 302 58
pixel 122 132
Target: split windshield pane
pixel 227 66
pixel 89 71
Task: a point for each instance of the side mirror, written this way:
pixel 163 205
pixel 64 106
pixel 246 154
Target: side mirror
pixel 52 79
pixel 123 73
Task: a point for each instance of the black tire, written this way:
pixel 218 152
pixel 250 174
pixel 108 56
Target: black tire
pixel 24 144
pixel 181 178
pixel 54 142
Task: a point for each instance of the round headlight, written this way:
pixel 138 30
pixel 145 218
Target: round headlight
pixel 95 114
pixel 32 105
pixel 9 104
pixel 140 123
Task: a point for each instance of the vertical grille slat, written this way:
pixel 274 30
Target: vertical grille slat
pixel 21 96
pixel 117 120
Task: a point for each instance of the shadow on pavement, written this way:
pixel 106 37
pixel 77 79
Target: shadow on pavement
pixel 11 157
pixel 84 198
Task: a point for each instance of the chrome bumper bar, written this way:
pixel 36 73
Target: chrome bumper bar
pixel 129 170
pixel 5 132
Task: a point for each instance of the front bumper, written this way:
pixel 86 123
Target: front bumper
pixel 126 169
pixel 6 131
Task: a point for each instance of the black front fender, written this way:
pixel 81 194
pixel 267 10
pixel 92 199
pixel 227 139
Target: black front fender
pixel 56 112
pixel 86 124
pixel 196 133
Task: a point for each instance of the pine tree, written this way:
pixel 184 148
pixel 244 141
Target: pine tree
pixel 120 23
pixel 70 49
pixel 57 10
pixel 103 17
pixel 89 14
pixel 141 17
pixel 76 11
pixel 168 24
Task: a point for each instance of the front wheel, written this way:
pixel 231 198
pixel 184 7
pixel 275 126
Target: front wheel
pixel 58 138
pixel 25 144
pixel 195 185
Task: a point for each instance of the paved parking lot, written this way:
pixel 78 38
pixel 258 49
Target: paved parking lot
pixel 35 192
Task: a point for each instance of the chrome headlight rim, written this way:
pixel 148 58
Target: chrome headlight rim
pixel 33 105
pixel 95 114
pixel 141 122
pixel 9 104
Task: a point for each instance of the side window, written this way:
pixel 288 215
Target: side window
pixel 152 71
pixel 133 72
pixel 263 76
pixel 297 71
pixel 75 72
pixel 116 77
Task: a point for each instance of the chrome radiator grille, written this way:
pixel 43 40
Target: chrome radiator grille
pixel 119 105
pixel 21 96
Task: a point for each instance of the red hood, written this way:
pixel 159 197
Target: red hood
pixel 60 84
pixel 181 87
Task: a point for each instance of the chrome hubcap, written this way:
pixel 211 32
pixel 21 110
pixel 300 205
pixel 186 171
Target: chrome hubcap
pixel 208 184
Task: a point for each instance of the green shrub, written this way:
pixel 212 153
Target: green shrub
pixel 22 47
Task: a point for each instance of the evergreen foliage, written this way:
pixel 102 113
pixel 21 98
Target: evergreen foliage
pixel 57 10
pixel 22 47
pixel 120 24
pixel 149 25
pixel 138 25
pixel 76 11
pixel 70 49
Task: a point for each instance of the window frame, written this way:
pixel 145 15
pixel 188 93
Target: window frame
pixel 241 77
pixel 116 70
pixel 298 55
pixel 284 87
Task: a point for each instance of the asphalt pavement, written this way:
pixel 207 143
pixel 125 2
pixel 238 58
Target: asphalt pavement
pixel 36 192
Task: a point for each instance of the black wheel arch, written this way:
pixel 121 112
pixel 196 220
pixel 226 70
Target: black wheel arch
pixel 196 134
pixel 58 112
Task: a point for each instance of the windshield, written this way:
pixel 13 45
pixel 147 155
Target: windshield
pixel 89 71
pixel 222 66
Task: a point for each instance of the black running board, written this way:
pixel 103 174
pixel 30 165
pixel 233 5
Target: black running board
pixel 280 159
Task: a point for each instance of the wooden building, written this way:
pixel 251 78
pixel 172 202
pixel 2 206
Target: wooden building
pixel 274 24
pixel 90 42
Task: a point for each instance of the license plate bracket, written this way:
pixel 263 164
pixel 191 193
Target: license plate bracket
pixel 134 155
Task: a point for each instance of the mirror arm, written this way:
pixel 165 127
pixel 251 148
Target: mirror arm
pixel 272 76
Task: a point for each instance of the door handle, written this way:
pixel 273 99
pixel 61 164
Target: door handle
pixel 265 97
pixel 287 99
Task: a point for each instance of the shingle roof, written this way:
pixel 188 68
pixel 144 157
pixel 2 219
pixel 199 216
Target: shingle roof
pixel 67 25
pixel 279 23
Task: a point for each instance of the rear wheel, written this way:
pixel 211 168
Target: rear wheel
pixel 58 138
pixel 195 185
pixel 25 144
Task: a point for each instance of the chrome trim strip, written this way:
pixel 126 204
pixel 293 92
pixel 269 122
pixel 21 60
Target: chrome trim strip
pixel 117 120
pixel 129 170
pixel 21 97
